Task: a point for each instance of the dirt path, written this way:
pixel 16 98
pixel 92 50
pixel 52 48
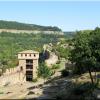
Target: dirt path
pixel 18 91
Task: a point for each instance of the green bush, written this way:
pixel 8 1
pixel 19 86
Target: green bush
pixel 56 66
pixel 35 80
pixel 1 92
pixel 44 71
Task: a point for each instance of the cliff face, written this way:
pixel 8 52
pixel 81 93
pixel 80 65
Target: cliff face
pixel 52 59
pixel 31 31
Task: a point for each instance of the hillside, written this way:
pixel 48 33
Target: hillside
pixel 23 26
pixel 11 44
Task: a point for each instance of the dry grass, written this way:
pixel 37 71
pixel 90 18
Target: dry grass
pixel 83 78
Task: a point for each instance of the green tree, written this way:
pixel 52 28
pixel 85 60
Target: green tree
pixel 82 54
pixel 44 71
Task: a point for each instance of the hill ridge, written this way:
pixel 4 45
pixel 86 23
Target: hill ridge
pixel 23 26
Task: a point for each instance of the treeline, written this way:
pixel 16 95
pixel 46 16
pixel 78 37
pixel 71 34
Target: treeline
pixel 23 26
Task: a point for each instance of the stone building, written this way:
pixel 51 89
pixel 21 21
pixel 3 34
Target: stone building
pixel 28 63
pixel 25 71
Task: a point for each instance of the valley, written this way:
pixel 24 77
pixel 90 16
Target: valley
pixel 37 66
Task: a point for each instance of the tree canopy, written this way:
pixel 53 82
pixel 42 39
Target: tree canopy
pixel 86 52
pixel 11 44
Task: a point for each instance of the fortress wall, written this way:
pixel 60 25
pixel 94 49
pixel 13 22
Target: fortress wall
pixel 11 71
pixel 11 79
pixel 12 76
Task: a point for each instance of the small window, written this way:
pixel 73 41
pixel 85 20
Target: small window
pixel 21 55
pixel 34 55
pixel 21 68
pixel 25 54
pixel 30 55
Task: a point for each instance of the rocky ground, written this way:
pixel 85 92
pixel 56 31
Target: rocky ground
pixel 54 89
pixel 28 90
pixel 17 91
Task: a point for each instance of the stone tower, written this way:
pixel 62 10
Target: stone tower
pixel 28 63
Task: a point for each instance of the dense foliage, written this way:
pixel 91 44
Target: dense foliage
pixel 44 71
pixel 23 26
pixel 63 49
pixel 11 44
pixel 86 52
pixel 62 52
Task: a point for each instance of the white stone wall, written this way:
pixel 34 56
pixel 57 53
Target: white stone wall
pixel 12 76
pixel 35 67
pixel 22 63
pixel 11 71
pixel 52 60
pixel 33 56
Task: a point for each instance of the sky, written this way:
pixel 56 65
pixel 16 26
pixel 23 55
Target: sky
pixel 67 15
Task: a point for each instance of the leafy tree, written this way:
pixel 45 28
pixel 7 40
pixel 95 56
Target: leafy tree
pixel 62 52
pixel 82 54
pixel 44 71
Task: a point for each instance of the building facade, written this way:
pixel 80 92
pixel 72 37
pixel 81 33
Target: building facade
pixel 28 64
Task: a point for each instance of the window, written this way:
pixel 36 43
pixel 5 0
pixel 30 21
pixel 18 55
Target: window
pixel 34 55
pixel 29 75
pixel 29 61
pixel 21 55
pixel 21 68
pixel 29 66
pixel 25 54
pixel 30 55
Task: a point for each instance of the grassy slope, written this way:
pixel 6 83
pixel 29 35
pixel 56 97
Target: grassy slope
pixel 11 44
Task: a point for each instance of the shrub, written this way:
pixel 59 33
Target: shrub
pixel 56 66
pixel 1 92
pixel 44 71
pixel 35 80
pixel 64 73
pixel 82 88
